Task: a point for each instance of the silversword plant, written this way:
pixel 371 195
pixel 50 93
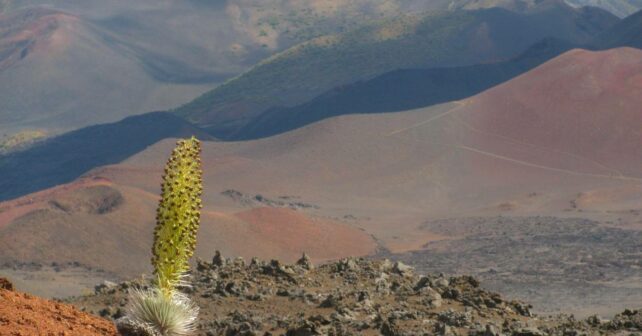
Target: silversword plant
pixel 163 310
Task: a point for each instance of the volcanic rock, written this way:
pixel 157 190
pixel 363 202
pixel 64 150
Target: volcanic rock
pixel 354 296
pixel 6 284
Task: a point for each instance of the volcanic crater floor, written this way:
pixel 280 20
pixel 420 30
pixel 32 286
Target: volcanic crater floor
pixel 353 296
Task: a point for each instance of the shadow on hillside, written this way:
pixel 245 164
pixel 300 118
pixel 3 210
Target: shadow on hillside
pixel 66 157
pixel 401 90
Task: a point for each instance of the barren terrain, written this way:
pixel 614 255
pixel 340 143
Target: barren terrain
pixel 553 263
pixel 25 314
pixel 352 297
pixel 59 72
pixel 558 141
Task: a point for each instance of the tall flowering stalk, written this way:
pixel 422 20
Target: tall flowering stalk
pixel 178 215
pixel 163 310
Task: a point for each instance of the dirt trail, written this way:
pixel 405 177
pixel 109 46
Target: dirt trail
pixel 560 170
pixel 459 104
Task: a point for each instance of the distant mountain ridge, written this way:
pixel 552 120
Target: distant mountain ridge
pixel 621 8
pixel 560 140
pixel 282 120
pixel 127 58
pixel 59 72
pixel 414 88
pixel 64 158
pixel 112 59
pixel 626 33
pixel 401 90
pixel 49 163
pixel 435 40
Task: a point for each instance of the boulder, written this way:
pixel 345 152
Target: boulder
pixel 6 284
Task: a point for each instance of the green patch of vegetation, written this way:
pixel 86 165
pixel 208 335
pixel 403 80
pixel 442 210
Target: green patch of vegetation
pixel 621 8
pixel 273 22
pixel 4 5
pixel 20 141
pixel 310 68
pixel 434 39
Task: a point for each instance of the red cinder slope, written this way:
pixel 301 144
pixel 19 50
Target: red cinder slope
pixel 60 71
pixel 107 226
pixel 588 104
pixel 528 146
pixel 24 314
pixel 37 30
pixel 295 233
pixel 563 136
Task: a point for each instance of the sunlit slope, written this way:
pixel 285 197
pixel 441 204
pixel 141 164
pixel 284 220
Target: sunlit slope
pixel 621 8
pixel 59 72
pixel 559 140
pixel 410 41
pixel 103 226
pixel 528 146
pixel 401 90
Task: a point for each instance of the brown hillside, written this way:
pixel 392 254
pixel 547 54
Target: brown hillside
pixel 584 104
pixel 537 134
pixel 98 78
pixel 525 147
pixel 36 31
pixel 558 141
pixel 102 225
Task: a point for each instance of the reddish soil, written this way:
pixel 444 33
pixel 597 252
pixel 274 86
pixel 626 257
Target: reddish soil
pixel 567 128
pixel 31 30
pixel 10 210
pixel 279 233
pixel 322 239
pixel 117 223
pixel 561 140
pixel 583 106
pixel 22 315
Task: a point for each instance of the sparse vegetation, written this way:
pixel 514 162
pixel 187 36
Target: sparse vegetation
pixel 4 5
pixel 163 310
pixel 621 8
pixel 405 41
pixel 21 140
pixel 332 60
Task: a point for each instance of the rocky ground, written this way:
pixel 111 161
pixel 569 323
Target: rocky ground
pixel 352 297
pixel 557 264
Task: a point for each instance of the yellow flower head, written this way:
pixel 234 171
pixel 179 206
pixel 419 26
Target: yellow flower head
pixel 178 215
